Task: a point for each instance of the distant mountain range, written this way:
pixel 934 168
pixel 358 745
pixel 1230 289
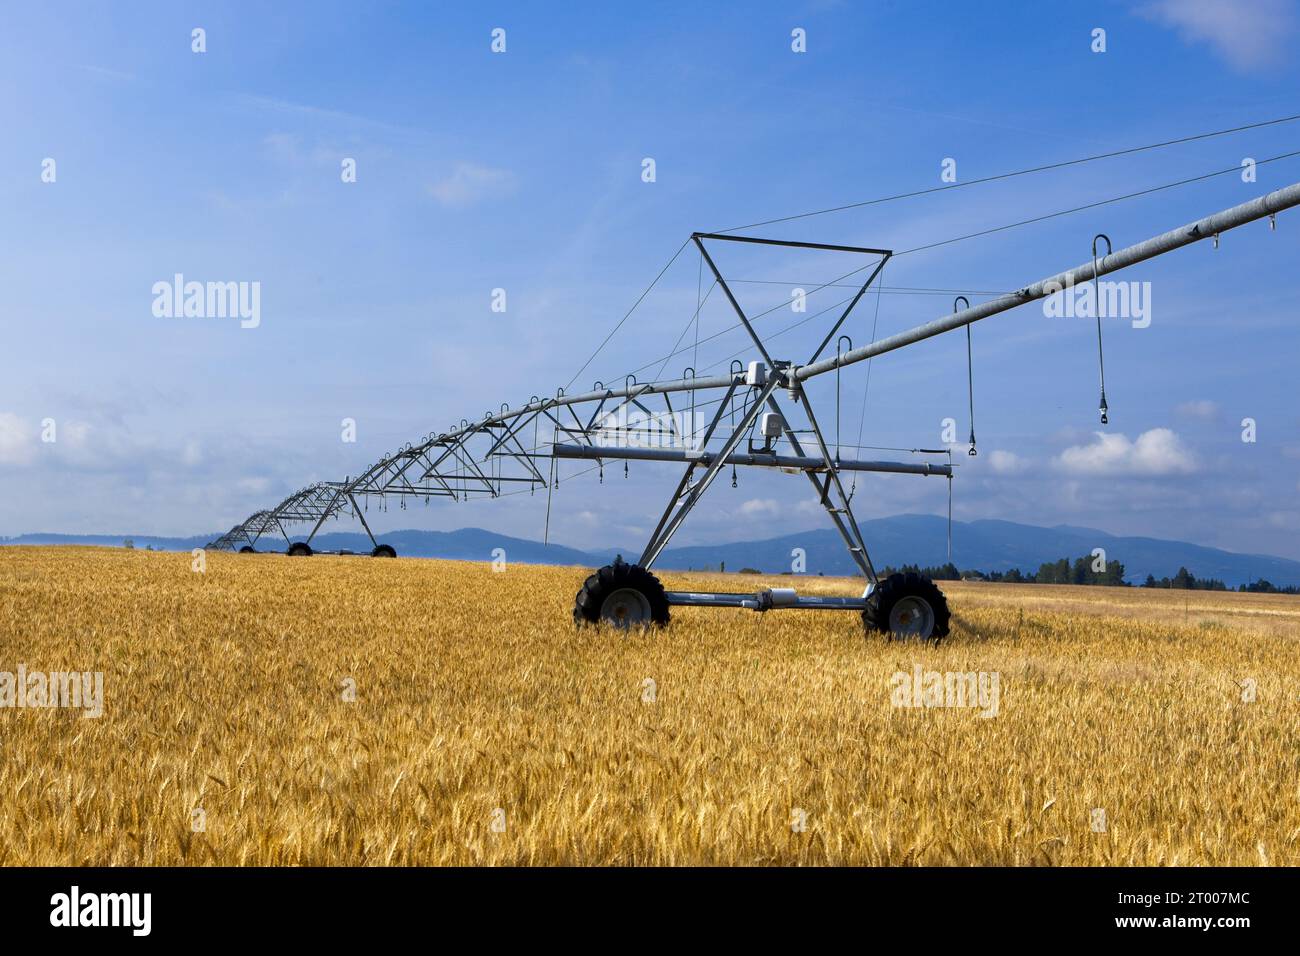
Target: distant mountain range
pixel 987 545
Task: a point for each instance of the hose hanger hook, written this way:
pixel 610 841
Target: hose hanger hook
pixel 628 381
pixel 970 372
pixel 1096 305
pixel 555 435
pixel 688 375
pixel 738 377
pixel 839 350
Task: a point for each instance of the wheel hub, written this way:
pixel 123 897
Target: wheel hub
pixel 626 607
pixel 912 617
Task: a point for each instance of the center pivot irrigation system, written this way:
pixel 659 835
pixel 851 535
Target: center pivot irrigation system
pixel 488 456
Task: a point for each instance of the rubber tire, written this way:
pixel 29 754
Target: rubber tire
pixel 888 592
pixel 299 549
pixel 247 549
pixel 615 577
pixel 384 551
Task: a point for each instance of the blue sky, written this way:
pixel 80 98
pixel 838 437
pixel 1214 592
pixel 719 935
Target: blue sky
pixel 522 171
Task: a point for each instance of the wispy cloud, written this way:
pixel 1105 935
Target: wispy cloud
pixel 272 104
pixel 470 183
pixel 106 72
pixel 1006 462
pixel 1202 409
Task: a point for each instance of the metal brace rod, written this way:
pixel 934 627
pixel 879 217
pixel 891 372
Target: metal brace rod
pixel 654 548
pixel 684 484
pixel 744 319
pixel 362 517
pixel 848 530
pixel 845 314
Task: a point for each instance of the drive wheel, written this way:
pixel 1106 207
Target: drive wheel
pixel 623 595
pixel 299 549
pixel 384 551
pixel 907 607
pixel 247 549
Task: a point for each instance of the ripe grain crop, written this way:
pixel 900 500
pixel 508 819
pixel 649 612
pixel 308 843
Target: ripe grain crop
pixel 346 710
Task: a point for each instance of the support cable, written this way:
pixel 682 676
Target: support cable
pixel 1091 205
pixel 1013 225
pixel 629 312
pixel 1020 172
pixel 866 390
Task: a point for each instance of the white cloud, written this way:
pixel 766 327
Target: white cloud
pixel 79 447
pixel 1247 33
pixel 1203 409
pixel 1286 520
pixel 253 486
pixel 101 447
pixel 74 435
pixel 16 440
pixel 756 507
pixel 1006 462
pixel 470 183
pixel 1156 452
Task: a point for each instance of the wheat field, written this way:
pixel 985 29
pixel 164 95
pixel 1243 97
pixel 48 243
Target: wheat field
pixel 344 710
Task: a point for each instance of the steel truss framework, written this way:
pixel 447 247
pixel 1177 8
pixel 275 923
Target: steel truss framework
pixel 513 449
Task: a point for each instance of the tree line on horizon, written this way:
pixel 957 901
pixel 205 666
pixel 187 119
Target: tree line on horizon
pixel 1080 571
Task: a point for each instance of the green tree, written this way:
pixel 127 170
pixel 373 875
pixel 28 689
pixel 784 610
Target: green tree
pixel 1113 575
pixel 1081 572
